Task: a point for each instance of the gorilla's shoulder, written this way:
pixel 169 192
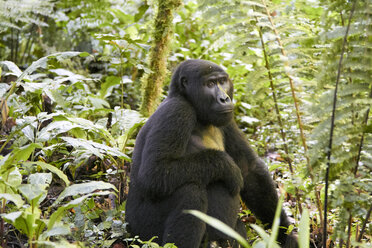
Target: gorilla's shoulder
pixel 174 111
pixel 175 105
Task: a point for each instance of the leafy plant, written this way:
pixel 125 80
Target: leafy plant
pixel 267 240
pixel 26 215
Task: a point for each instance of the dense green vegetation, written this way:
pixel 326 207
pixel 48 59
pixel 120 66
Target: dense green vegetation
pixel 72 76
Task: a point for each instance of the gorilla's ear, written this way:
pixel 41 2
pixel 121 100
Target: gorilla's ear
pixel 183 82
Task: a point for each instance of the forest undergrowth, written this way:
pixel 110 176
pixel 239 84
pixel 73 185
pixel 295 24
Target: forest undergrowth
pixel 71 80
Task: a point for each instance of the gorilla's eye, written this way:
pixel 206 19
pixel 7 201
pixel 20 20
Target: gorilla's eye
pixel 210 83
pixel 222 80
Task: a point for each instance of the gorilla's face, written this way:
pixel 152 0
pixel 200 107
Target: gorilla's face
pixel 217 107
pixel 209 90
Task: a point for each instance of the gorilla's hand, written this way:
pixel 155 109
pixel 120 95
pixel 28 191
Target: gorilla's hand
pixel 232 177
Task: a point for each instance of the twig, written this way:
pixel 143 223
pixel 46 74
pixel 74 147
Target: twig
pixel 365 122
pixel 349 230
pixel 332 127
pixel 364 224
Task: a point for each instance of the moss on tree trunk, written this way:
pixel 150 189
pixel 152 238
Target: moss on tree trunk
pixel 152 83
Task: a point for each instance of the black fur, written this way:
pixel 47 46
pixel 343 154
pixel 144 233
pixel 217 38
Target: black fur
pixel 175 168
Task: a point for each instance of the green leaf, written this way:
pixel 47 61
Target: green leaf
pixel 57 215
pixel 18 155
pixel 33 191
pixel 303 230
pixel 262 233
pixel 15 198
pixel 108 85
pixel 14 178
pixel 57 231
pixel 276 223
pixel 141 11
pixel 12 67
pixel 40 178
pixel 219 225
pixel 55 128
pixel 84 188
pixel 50 168
pixel 42 62
pixel 11 217
pixel 95 148
pixel 98 103
pixel 84 54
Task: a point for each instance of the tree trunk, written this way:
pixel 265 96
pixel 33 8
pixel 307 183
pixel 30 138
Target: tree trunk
pixel 163 30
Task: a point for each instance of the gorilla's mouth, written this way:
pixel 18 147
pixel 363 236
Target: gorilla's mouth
pixel 225 111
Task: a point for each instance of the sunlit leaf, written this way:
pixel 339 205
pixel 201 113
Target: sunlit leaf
pixel 304 230
pixel 15 198
pixel 84 188
pixel 219 225
pixel 51 168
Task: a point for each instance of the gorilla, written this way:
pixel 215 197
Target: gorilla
pixel 191 155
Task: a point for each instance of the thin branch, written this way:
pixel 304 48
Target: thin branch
pixel 365 122
pixel 349 229
pixel 28 42
pixel 364 224
pixel 333 125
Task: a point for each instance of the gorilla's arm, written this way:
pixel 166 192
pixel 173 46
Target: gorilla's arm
pixel 165 166
pixel 258 192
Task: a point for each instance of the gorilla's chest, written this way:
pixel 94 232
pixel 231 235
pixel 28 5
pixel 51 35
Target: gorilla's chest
pixel 209 137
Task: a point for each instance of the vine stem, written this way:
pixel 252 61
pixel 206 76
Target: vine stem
pixel 329 152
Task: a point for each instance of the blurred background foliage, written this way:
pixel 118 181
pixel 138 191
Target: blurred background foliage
pixel 70 92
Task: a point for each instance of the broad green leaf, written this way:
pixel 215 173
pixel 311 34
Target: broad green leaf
pixel 12 67
pixel 141 11
pixel 108 85
pixel 11 217
pixel 95 148
pixel 42 62
pixel 84 144
pixel 14 178
pixel 21 220
pixel 23 153
pixel 40 178
pixel 57 231
pixel 219 225
pixel 98 103
pixel 19 154
pixel 84 188
pixel 33 191
pixel 15 198
pixel 88 125
pixel 55 128
pixel 52 169
pixel 127 118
